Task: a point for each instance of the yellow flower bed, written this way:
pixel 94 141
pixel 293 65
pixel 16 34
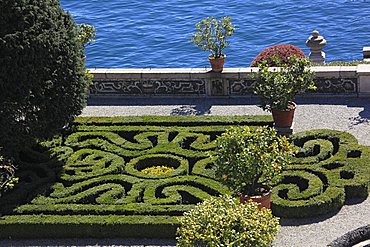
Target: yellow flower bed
pixel 158 170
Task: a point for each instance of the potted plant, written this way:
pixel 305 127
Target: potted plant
pixel 211 36
pixel 249 161
pixel 225 222
pixel 277 88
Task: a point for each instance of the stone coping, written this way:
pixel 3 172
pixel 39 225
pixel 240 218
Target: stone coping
pixel 235 73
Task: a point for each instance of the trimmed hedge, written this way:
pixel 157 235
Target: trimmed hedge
pixel 89 181
pixel 176 120
pixel 329 168
pixel 94 226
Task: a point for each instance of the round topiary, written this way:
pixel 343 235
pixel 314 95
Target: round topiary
pixel 224 221
pixel 277 55
pixel 42 75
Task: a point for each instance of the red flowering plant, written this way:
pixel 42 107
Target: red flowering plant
pixel 277 55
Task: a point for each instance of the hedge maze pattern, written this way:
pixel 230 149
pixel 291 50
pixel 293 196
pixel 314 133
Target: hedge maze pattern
pixel 94 185
pixel 330 168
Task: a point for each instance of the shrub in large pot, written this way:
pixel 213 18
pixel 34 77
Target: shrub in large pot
pixel 211 36
pixel 249 161
pixel 277 88
pixel 225 222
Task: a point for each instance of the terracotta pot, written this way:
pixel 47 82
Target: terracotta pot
pixel 264 201
pixel 284 119
pixel 217 64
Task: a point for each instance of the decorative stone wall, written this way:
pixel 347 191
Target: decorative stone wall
pixel 149 86
pixel 232 82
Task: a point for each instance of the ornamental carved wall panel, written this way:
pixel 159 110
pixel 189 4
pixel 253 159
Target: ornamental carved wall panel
pixel 336 85
pixel 324 85
pixel 241 87
pixel 148 86
pixel 214 86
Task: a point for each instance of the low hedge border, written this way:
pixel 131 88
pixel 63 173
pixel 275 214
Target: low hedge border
pixel 330 161
pixel 186 121
pixel 87 183
pixel 76 226
pixel 289 201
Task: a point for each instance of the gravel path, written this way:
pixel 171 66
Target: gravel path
pixel 346 114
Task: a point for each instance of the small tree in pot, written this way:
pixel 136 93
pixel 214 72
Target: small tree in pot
pixel 211 36
pixel 278 87
pixel 249 161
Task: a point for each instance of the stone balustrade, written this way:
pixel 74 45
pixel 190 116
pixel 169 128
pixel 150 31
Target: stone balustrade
pixel 353 81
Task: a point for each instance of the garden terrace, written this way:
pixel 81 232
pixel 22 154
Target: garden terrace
pixel 89 182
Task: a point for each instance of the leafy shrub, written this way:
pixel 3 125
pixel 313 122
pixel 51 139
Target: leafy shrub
pixel 277 55
pixel 247 160
pixel 86 34
pixel 7 179
pixel 224 221
pixel 42 75
pixel 211 35
pixel 277 87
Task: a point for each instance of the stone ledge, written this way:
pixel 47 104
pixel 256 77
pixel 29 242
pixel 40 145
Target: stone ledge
pixel 232 82
pixel 363 69
pixel 234 73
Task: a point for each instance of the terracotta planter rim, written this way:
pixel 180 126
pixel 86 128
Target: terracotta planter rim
pixel 223 56
pixel 256 196
pixel 288 109
pixel 217 64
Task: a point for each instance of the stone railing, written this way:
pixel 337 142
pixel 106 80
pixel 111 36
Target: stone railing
pixel 232 82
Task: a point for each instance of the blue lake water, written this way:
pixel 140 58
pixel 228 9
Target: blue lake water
pixel 156 33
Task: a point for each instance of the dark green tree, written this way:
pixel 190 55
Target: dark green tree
pixel 42 76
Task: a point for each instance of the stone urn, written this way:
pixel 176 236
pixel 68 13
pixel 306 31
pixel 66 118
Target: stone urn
pixel 316 43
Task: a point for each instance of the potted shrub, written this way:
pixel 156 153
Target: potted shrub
pixel 277 88
pixel 211 36
pixel 249 161
pixel 225 222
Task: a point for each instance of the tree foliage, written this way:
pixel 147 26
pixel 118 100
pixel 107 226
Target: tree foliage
pixel 42 75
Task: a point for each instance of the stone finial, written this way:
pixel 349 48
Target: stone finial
pixel 316 43
pixel 366 53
